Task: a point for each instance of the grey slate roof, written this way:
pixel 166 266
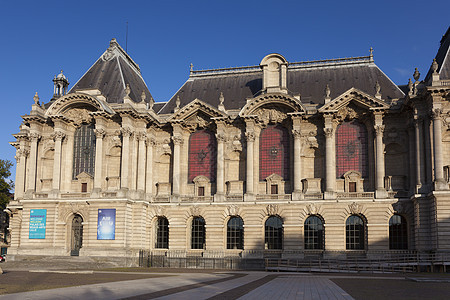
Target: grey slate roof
pixel 111 73
pixel 308 79
pixel 442 58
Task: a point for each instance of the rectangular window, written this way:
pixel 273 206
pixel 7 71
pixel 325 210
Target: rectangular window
pixel 84 187
pixel 274 189
pixel 352 187
pixel 201 191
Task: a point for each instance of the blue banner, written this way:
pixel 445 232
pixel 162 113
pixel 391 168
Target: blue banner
pixel 106 225
pixel 38 219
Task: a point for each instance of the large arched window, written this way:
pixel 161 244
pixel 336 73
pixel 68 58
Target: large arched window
pixel 235 233
pixel 274 152
pixel 202 155
pixel 162 233
pixel 274 233
pixel 314 233
pixel 84 151
pixel 398 233
pixel 355 233
pixel 198 233
pixel 351 148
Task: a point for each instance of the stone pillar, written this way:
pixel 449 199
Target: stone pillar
pixel 412 154
pixel 58 136
pixel 220 178
pixel 417 124
pixel 250 136
pixel 142 137
pixel 98 176
pixel 330 162
pixel 380 190
pixel 126 134
pixel 297 161
pixel 21 158
pixel 149 174
pixel 34 138
pixel 177 142
pixel 439 182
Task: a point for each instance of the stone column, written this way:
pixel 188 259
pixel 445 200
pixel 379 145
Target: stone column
pixel 412 154
pixel 149 175
pixel 297 161
pixel 126 134
pixel 438 157
pixel 142 137
pixel 34 137
pixel 58 136
pixel 177 142
pixel 417 124
pixel 220 180
pixel 98 176
pixel 330 162
pixel 21 158
pixel 250 136
pixel 380 190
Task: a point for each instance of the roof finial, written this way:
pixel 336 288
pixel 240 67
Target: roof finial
pixel 191 67
pixel 151 102
pixel 36 99
pixel 410 87
pixel 377 90
pixel 143 96
pixel 177 103
pixel 113 42
pixel 327 94
pixel 416 75
pixel 221 107
pixel 127 90
pixel 434 66
pixel 371 54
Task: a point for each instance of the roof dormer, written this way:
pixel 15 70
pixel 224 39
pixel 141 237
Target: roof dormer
pixel 274 68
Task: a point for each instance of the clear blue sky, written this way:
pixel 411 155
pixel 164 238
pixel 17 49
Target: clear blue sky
pixel 38 38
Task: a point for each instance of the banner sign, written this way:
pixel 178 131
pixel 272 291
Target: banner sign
pixel 38 219
pixel 106 225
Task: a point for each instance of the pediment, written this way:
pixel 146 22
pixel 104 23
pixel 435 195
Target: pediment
pixel 84 176
pixel 290 104
pixel 80 101
pixel 201 179
pixel 360 98
pixel 195 106
pixel 274 177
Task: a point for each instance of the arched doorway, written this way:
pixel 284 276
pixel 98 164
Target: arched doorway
pixel 76 235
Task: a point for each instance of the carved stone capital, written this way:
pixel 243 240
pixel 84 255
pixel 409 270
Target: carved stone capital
pixel 177 140
pixel 151 141
pixel 141 136
pixel 355 208
pixel 272 209
pixel 21 152
pixel 379 129
pixel 220 137
pixel 58 136
pixel 233 210
pixel 329 132
pixel 436 114
pixel 100 133
pixel 250 136
pixel 34 136
pixel 126 131
pixel 296 133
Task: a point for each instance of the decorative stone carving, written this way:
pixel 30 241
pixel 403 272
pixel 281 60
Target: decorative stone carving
pixel 141 136
pixel 271 115
pixel 126 131
pixel 158 211
pixel 347 113
pixel 21 153
pixel 233 210
pixel 436 113
pixel 250 136
pixel 100 133
pixel 34 136
pixel 127 90
pixel 272 209
pixel 58 135
pixel 296 133
pixel 78 116
pixel 434 66
pixel 416 75
pixel 328 132
pixel 177 140
pixel 36 99
pixel 355 208
pixel 66 209
pixel 312 209
pixel 116 141
pixel 398 207
pixel 195 211
pixel 143 97
pixel 236 145
pixel 379 129
pixel 220 137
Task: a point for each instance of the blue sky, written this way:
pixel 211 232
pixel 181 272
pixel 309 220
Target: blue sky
pixel 39 38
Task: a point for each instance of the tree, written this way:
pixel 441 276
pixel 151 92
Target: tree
pixel 5 185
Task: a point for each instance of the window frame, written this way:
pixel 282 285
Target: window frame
pixel 198 233
pixel 316 234
pixel 162 233
pixel 355 233
pixel 398 235
pixel 235 233
pixel 273 233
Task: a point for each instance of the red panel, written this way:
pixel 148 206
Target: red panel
pixel 202 155
pixel 274 152
pixel 351 148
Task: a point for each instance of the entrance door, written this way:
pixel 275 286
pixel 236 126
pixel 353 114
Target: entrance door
pixel 77 235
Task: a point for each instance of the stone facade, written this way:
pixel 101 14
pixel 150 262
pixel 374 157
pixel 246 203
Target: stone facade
pixel 141 165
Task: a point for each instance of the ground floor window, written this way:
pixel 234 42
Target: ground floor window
pixel 198 233
pixel 314 233
pixel 355 233
pixel 162 233
pixel 235 233
pixel 274 233
pixel 398 233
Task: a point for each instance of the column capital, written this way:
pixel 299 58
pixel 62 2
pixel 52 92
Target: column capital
pixel 21 152
pixel 141 136
pixel 296 133
pixel 58 136
pixel 126 131
pixel 379 129
pixel 250 136
pixel 34 136
pixel 100 133
pixel 151 141
pixel 221 138
pixel 436 114
pixel 177 140
pixel 329 132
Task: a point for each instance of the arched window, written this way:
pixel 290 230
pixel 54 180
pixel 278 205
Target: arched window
pixel 202 155
pixel 274 152
pixel 355 233
pixel 351 148
pixel 162 233
pixel 84 151
pixel 274 233
pixel 314 233
pixel 398 233
pixel 198 233
pixel 235 233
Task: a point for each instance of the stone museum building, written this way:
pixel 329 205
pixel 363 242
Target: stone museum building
pixel 281 159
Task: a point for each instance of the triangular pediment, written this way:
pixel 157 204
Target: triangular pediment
pixel 291 104
pixel 193 108
pixel 360 98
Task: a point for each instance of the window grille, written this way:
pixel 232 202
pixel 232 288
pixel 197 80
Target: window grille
pixel 274 152
pixel 351 148
pixel 198 233
pixel 355 233
pixel 314 233
pixel 84 151
pixel 398 233
pixel 274 233
pixel 162 233
pixel 235 233
pixel 202 155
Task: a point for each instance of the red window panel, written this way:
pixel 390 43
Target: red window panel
pixel 202 155
pixel 351 148
pixel 274 152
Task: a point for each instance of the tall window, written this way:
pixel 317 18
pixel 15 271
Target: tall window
pixel 351 148
pixel 84 151
pixel 235 233
pixel 274 233
pixel 274 152
pixel 202 155
pixel 314 233
pixel 162 233
pixel 355 233
pixel 198 233
pixel 398 233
